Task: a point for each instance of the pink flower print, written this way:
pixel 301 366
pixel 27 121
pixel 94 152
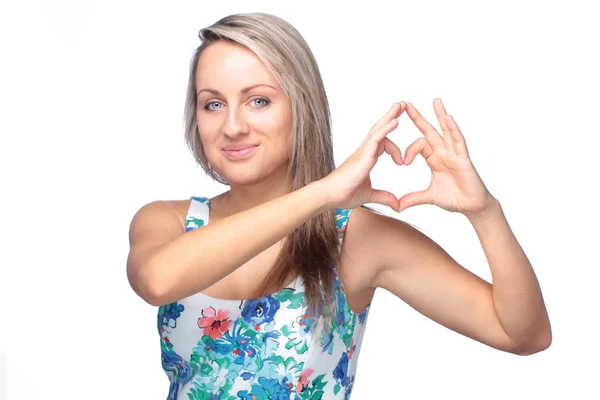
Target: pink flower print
pixel 304 319
pixel 303 380
pixel 351 349
pixel 214 323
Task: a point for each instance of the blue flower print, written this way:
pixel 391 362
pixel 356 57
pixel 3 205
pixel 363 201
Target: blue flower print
pixel 260 311
pixel 267 389
pixel 168 314
pixel 362 315
pixel 341 371
pixel 178 371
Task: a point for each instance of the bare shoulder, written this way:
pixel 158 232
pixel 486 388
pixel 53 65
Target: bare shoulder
pixel 359 250
pixel 159 211
pixel 180 208
pixel 150 213
pixel 371 239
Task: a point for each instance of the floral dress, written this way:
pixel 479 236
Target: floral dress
pixel 261 348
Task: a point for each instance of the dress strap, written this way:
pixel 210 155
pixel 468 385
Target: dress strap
pixel 198 213
pixel 341 220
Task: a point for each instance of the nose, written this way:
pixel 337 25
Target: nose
pixel 235 124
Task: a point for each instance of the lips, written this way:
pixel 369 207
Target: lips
pixel 244 152
pixel 240 147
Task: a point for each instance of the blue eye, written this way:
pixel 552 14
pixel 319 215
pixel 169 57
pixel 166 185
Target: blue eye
pixel 207 107
pixel 261 99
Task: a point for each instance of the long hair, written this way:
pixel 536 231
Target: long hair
pixel 312 249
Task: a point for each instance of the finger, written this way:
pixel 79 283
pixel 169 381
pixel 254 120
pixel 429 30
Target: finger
pixel 460 145
pixel 374 139
pixel 418 146
pixel 392 149
pixel 432 136
pixel 394 112
pixel 440 113
pixel 386 198
pixel 414 199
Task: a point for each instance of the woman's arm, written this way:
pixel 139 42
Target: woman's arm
pixel 509 314
pixel 190 262
pixel 517 295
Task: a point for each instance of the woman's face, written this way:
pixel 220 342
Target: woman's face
pixel 240 103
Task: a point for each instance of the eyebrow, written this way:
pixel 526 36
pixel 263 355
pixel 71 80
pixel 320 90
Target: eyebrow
pixel 244 90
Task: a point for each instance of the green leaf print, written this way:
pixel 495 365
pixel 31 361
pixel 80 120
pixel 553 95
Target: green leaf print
pixel 198 395
pixel 296 335
pixel 315 390
pixel 319 383
pixel 284 295
pixel 318 395
pixel 296 299
pixel 194 222
pixel 301 347
pixel 336 388
pixel 194 358
pixel 203 395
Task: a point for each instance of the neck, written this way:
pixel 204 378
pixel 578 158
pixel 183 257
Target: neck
pixel 241 197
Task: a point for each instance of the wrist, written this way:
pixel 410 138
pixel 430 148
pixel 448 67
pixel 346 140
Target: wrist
pixel 493 207
pixel 320 194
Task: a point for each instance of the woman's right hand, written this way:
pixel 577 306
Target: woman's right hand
pixel 349 185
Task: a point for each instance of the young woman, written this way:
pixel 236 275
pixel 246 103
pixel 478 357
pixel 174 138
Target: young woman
pixel 256 297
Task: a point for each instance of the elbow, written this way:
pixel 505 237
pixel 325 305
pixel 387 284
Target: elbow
pixel 155 292
pixel 532 350
pixel 150 294
pixel 153 296
pixel 145 286
pixel 541 344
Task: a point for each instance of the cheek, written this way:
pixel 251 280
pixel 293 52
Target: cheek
pixel 287 134
pixel 206 132
pixel 265 122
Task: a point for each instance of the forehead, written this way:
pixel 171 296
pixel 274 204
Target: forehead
pixel 224 65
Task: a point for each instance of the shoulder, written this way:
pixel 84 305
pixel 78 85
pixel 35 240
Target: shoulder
pixel 162 209
pixel 180 208
pixel 369 227
pixel 372 239
pixel 359 249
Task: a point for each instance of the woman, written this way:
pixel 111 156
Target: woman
pixel 256 299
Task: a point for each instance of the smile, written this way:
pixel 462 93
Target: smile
pixel 239 154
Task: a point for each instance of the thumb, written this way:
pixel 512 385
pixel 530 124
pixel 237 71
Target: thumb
pixel 415 198
pixel 386 198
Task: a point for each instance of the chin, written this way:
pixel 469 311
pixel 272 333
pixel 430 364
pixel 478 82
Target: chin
pixel 243 179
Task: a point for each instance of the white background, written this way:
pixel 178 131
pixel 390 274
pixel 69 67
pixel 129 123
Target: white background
pixel 92 96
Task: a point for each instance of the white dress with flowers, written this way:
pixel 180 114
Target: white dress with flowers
pixel 260 348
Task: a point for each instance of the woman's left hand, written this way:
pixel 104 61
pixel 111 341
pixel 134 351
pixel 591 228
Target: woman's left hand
pixel 455 185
